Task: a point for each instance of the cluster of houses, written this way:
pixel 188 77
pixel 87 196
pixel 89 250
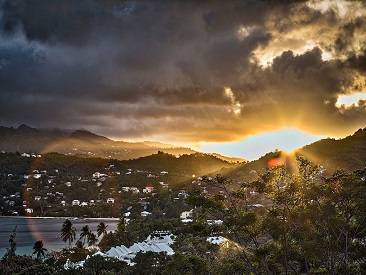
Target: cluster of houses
pixel 159 241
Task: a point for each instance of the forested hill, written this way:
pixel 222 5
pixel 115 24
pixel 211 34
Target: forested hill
pixel 194 164
pixel 348 153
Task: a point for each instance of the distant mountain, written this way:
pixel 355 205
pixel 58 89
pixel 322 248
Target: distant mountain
pixel 81 143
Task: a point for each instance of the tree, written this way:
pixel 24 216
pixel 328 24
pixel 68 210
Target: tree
pixel 149 262
pixel 101 229
pixel 68 232
pixel 39 250
pixel 240 223
pixel 92 239
pixel 10 252
pixel 180 264
pixel 100 265
pixel 84 234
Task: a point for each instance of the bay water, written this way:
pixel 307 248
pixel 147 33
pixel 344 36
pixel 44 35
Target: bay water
pixel 29 230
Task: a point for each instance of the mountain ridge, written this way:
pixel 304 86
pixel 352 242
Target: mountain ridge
pixel 83 143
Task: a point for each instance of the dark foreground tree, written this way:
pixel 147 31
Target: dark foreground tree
pixel 92 239
pixel 101 229
pixel 68 232
pixel 84 234
pixel 39 250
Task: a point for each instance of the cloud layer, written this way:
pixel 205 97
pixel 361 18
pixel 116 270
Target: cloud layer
pixel 183 71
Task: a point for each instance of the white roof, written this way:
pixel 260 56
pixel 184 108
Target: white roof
pixel 165 248
pixel 124 250
pixel 113 252
pixel 216 240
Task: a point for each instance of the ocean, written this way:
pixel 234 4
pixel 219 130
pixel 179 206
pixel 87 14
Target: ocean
pixel 30 230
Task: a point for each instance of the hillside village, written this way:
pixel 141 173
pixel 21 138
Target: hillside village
pixel 104 193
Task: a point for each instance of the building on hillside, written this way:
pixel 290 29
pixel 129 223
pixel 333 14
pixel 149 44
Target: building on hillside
pixel 75 203
pixel 148 189
pixel 186 214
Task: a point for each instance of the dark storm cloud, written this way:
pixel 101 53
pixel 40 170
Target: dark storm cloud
pixel 187 69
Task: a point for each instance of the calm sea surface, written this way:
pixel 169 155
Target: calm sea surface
pixel 30 230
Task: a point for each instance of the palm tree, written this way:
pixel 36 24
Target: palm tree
pixel 92 239
pixel 39 250
pixel 68 232
pixel 102 228
pixel 84 233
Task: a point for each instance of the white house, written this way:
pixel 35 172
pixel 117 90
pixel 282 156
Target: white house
pixel 145 213
pixel 186 214
pixel 75 202
pixel 29 210
pixel 110 200
pixel 96 175
pixel 37 176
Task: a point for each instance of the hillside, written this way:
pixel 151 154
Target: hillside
pixel 348 153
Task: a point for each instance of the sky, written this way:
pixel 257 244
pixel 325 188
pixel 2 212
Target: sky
pixel 236 77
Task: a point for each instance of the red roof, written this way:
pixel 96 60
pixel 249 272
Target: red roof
pixel 149 185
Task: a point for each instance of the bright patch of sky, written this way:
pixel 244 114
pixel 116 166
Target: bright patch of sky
pixel 254 147
pixel 348 100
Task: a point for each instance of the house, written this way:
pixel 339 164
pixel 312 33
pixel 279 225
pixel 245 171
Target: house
pixel 63 203
pixel 37 198
pixel 96 175
pixel 84 203
pixel 148 189
pixel 29 210
pixel 127 214
pixel 164 185
pixel 217 240
pixel 110 200
pixel 68 184
pixel 75 203
pixel 36 176
pixel 163 172
pixel 186 214
pixel 134 190
pixel 216 222
pixel 145 213
pixel 125 188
